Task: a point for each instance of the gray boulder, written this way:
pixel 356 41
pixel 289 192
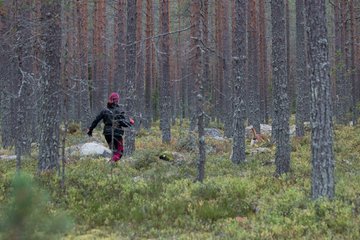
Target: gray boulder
pixel 89 149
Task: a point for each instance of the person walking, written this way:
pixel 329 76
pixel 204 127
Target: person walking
pixel 114 120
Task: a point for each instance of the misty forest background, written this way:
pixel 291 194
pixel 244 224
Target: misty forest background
pixel 181 68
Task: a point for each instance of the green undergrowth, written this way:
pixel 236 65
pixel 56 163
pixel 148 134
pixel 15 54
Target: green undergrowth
pixel 144 197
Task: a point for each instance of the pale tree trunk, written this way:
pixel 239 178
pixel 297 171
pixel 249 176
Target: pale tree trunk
pixel 280 125
pixel 23 70
pixel 50 83
pixel 196 36
pixel 323 163
pixel 149 61
pixel 302 81
pixel 165 107
pixel 130 72
pixel 239 69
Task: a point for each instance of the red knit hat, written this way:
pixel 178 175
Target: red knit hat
pixel 114 98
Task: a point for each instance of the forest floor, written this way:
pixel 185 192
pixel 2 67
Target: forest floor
pixel 144 197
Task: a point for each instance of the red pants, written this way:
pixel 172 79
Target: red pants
pixel 116 145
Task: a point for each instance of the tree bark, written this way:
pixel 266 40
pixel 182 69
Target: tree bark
pixel 50 85
pixel 303 83
pixel 130 72
pixel 165 101
pixel 82 25
pixel 263 64
pixel 323 164
pixel 149 61
pixel 139 65
pixel 99 93
pixel 196 38
pixel 280 125
pixel 253 103
pixel 239 67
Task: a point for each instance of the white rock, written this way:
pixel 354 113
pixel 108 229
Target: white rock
pixel 8 157
pixel 94 148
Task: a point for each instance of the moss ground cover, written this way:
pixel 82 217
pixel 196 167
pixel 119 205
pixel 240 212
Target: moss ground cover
pixel 145 197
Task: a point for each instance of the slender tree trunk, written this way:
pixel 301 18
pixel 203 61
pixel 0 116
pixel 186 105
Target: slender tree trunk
pixel 281 116
pixel 139 65
pixel 120 49
pixel 288 68
pixel 228 127
pixel 165 101
pixel 130 72
pixel 99 93
pixel 22 39
pixel 343 92
pixel 50 85
pixel 323 163
pixel 303 86
pixel 196 38
pixel 353 73
pixel 84 102
pixel 239 67
pixel 263 70
pixel 206 53
pixel 149 61
pixel 219 98
pixel 253 69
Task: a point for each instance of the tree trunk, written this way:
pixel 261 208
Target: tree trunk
pixel 149 61
pixel 82 25
pixel 218 84
pixel 99 93
pixel 303 83
pixel 343 90
pixel 253 103
pixel 239 67
pixel 6 79
pixel 280 125
pixel 165 101
pixel 227 83
pixel 353 64
pixel 120 49
pixel 263 69
pixel 50 85
pixel 196 36
pixel 130 72
pixel 139 65
pixel 323 164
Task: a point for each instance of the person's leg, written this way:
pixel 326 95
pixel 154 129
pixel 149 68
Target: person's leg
pixel 119 148
pixel 112 143
pixel 108 139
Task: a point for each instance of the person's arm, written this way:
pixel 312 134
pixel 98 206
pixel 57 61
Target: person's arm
pixel 95 123
pixel 125 122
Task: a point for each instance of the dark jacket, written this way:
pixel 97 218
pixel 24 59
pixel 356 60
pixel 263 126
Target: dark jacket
pixel 113 119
